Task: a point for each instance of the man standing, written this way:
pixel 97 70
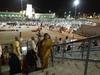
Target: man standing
pixel 16 46
pixel 33 44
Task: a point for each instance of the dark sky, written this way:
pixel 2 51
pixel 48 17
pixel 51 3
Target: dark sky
pixel 58 6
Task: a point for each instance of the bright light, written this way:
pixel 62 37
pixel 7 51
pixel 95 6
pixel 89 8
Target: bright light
pixel 24 48
pixel 29 10
pixel 76 2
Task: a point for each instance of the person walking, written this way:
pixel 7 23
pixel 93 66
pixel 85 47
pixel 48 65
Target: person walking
pixel 14 64
pixel 45 50
pixel 33 44
pixel 29 62
pixel 16 47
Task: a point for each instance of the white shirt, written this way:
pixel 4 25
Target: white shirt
pixel 0 50
pixel 34 45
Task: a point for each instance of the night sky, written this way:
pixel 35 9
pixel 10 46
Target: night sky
pixel 58 6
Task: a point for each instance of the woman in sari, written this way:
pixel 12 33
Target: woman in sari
pixel 45 50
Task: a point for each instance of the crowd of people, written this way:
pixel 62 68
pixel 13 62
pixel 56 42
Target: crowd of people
pixel 37 55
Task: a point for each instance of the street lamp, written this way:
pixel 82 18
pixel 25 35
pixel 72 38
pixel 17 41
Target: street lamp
pixel 65 14
pixel 21 5
pixel 76 3
pixel 22 8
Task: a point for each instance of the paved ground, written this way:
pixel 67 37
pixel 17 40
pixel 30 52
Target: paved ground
pixel 69 68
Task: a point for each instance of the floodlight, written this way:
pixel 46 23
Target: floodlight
pixel 76 2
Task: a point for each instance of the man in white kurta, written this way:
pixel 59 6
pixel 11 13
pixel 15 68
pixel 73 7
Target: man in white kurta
pixel 0 50
pixel 33 44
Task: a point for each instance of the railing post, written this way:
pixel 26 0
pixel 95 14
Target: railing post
pixel 82 50
pixel 72 48
pixel 87 57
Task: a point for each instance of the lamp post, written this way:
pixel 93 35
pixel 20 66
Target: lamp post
pixel 76 3
pixel 65 14
pixel 21 5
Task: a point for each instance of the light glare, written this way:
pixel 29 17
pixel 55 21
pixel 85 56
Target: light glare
pixel 24 48
pixel 76 2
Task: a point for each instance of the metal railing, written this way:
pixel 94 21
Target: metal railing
pixel 88 52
